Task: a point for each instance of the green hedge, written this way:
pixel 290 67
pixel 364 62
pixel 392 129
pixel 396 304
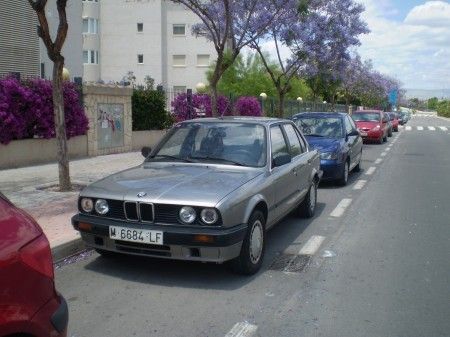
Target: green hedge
pixel 443 108
pixel 149 110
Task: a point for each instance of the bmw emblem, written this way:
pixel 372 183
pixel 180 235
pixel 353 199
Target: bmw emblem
pixel 141 194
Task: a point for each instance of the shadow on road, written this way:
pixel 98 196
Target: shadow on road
pixel 198 275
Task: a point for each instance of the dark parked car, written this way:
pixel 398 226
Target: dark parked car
pixel 208 192
pixel 336 137
pixel 372 125
pixel 29 303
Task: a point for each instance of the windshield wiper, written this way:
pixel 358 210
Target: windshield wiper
pixel 315 135
pixel 166 156
pixel 219 159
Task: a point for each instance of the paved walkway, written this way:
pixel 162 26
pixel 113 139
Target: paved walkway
pixel 53 210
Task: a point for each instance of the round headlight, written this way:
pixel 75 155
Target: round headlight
pixel 87 205
pixel 209 216
pixel 187 214
pixel 101 206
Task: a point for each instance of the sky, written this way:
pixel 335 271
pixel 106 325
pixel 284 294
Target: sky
pixel 409 40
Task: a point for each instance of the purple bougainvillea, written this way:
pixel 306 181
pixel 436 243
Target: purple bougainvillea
pixel 201 106
pixel 26 110
pixel 248 106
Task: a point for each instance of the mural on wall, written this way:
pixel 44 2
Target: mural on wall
pixel 110 121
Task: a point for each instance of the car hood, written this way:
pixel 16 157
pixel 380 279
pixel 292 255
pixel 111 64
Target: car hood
pixel 323 144
pixel 366 125
pixel 192 184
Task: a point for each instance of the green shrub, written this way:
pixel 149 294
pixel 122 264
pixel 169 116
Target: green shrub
pixel 149 110
pixel 443 108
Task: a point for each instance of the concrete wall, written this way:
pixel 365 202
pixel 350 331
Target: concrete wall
pixel 146 138
pixel 27 152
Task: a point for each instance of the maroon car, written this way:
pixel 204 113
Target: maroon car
pixel 29 303
pixel 372 125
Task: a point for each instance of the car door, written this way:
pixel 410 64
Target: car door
pixel 283 176
pixel 354 142
pixel 300 161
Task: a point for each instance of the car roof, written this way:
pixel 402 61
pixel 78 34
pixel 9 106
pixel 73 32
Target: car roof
pixel 320 114
pixel 364 111
pixel 237 119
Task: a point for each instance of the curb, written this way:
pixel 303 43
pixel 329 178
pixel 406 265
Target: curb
pixel 444 118
pixel 67 249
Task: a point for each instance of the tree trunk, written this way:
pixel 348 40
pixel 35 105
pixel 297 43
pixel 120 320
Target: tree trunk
pixel 280 110
pixel 60 125
pixel 214 96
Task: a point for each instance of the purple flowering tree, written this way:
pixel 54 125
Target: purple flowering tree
pixel 231 25
pixel 318 33
pixel 248 106
pixel 54 48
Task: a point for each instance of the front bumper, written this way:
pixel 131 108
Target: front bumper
pixel 332 169
pixel 52 318
pixel 372 134
pixel 179 241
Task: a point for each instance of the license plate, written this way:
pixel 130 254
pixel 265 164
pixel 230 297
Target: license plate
pixel 136 235
pixel 363 134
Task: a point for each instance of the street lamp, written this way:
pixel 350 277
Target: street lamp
pixel 263 95
pixel 324 102
pixel 299 99
pixel 66 74
pixel 201 87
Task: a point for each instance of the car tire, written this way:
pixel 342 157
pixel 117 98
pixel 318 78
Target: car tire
pixel 343 180
pixel 106 253
pixel 396 129
pixel 385 139
pixel 390 133
pixel 253 247
pixel 307 207
pixel 380 140
pixel 359 165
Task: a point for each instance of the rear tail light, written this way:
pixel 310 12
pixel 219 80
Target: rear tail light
pixel 38 256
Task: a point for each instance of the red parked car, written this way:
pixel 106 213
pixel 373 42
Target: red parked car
pixel 29 303
pixel 372 125
pixel 394 120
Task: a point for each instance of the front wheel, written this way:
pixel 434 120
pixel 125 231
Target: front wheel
pixel 253 247
pixel 308 206
pixel 358 167
pixel 343 180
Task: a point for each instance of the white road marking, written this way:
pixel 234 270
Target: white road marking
pixel 408 128
pixel 443 128
pixel 383 154
pixel 242 329
pixel 420 128
pixel 312 245
pixel 340 208
pixel 371 170
pixel 431 128
pixel 360 184
pixel 378 161
pixel 388 148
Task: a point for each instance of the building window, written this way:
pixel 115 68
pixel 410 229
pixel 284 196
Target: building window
pixel 179 89
pixel 203 60
pixel 42 70
pixel 140 27
pixel 179 60
pixel 90 56
pixel 141 58
pixel 90 26
pixel 179 30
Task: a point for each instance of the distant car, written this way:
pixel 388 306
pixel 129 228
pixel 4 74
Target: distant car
pixel 402 118
pixel 390 125
pixel 207 192
pixel 394 120
pixel 29 303
pixel 336 137
pixel 372 125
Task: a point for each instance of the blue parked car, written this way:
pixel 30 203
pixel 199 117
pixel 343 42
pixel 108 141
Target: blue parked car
pixel 336 137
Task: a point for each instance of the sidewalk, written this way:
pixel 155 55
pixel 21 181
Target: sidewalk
pixel 53 210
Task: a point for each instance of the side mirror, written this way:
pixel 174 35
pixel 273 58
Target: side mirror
pixel 385 120
pixel 354 133
pixel 281 159
pixel 146 151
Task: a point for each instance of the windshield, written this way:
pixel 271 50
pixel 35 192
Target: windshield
pixel 321 127
pixel 226 143
pixel 366 117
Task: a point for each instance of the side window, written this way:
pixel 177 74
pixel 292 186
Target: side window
pixel 348 126
pixel 302 141
pixel 278 142
pixel 294 143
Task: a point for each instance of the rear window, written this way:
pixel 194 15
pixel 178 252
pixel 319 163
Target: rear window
pixel 366 117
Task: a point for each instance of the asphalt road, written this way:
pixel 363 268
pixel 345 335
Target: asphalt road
pixel 374 261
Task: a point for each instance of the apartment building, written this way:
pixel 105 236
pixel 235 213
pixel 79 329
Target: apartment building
pixel 147 37
pixel 19 44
